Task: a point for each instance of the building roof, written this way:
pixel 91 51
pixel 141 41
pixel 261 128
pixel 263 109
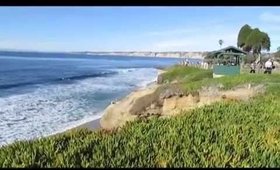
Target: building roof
pixel 237 50
pixel 230 49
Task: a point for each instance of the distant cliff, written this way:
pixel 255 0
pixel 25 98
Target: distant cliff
pixel 200 55
pixel 172 54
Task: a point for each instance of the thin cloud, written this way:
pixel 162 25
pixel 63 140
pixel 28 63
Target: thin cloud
pixel 270 17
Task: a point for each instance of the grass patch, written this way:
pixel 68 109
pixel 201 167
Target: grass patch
pixel 192 79
pixel 181 73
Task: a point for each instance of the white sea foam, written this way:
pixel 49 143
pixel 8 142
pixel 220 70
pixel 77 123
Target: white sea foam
pixel 55 108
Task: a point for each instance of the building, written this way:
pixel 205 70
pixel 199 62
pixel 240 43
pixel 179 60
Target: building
pixel 226 61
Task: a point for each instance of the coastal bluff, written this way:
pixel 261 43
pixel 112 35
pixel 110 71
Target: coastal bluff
pixel 165 99
pixel 172 54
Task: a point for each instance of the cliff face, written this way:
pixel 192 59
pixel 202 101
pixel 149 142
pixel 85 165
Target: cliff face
pixel 199 55
pixel 168 99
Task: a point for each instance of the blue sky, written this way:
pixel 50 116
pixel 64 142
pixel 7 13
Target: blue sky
pixel 131 28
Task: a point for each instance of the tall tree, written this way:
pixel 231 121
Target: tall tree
pixel 258 41
pixel 253 40
pixel 242 37
pixel 221 42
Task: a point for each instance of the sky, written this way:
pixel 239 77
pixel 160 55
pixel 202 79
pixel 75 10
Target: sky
pixel 71 29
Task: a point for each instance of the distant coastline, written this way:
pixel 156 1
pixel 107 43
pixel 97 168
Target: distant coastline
pixel 195 55
pixel 171 54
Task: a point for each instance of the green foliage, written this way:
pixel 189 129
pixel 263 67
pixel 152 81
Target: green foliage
pixel 253 39
pixel 265 42
pixel 225 134
pixel 242 35
pixel 193 79
pixel 258 41
pixel 183 73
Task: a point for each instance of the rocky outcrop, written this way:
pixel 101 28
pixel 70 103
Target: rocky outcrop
pixel 115 115
pixel 174 105
pixel 170 91
pixel 169 100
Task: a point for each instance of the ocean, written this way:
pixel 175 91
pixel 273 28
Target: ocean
pixel 45 93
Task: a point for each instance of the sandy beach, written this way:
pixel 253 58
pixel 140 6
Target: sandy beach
pixel 92 125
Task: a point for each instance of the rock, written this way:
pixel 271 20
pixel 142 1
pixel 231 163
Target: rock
pixel 171 91
pixel 127 109
pixel 166 94
pixel 155 111
pixel 153 106
pixel 175 105
pixel 159 79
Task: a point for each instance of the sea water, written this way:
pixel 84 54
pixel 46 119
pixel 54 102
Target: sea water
pixel 46 93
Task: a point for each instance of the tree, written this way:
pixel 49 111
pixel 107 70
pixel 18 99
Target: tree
pixel 253 40
pixel 278 49
pixel 265 41
pixel 242 37
pixel 221 42
pixel 258 41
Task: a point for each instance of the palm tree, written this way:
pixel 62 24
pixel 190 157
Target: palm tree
pixel 221 43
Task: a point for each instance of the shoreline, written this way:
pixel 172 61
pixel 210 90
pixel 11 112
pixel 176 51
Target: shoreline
pixel 91 125
pixel 95 124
